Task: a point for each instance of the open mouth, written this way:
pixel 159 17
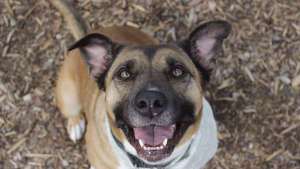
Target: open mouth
pixel 154 142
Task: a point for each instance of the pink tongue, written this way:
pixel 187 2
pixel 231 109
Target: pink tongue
pixel 153 135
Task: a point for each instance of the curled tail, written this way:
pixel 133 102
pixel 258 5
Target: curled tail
pixel 77 24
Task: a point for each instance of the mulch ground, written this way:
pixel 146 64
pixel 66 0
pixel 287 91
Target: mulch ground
pixel 254 92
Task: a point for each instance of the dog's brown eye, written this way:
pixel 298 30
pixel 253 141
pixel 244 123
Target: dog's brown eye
pixel 177 72
pixel 124 74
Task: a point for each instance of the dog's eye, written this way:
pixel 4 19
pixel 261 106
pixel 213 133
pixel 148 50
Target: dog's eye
pixel 177 72
pixel 124 74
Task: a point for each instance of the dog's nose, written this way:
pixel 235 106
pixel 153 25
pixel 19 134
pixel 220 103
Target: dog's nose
pixel 150 103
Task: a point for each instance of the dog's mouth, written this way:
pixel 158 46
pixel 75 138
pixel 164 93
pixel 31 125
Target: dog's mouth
pixel 154 142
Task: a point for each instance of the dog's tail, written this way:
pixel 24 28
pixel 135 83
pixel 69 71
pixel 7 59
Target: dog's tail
pixel 77 24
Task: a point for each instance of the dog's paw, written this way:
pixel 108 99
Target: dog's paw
pixel 92 167
pixel 76 127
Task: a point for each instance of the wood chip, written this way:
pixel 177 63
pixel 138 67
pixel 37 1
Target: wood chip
pixel 226 83
pixel 250 111
pixel 3 88
pixel 2 98
pixel 13 55
pixel 292 157
pixel 86 14
pixel 276 86
pixel 140 8
pixel 295 26
pixel 220 136
pixel 16 146
pixel 160 26
pixel 33 155
pixel 10 34
pixel 85 3
pixel 128 23
pixel 58 25
pixel 274 154
pixel 30 11
pixel 221 162
pixel 2 120
pixel 227 99
pixel 34 164
pixel 290 128
pixel 172 33
pixel 285 79
pixel 14 163
pixel 248 72
pixel 27 98
pixel 39 21
pixel 4 52
pixel 263 82
pixel 48 43
pixel 296 81
pixel 64 162
pixel 8 7
pixel 170 5
pixel 10 133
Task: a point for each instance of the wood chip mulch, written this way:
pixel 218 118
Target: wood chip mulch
pixel 254 92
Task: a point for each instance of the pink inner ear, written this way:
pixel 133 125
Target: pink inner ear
pixel 205 54
pixel 98 61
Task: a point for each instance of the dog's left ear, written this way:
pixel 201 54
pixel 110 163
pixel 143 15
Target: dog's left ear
pixel 204 43
pixel 97 51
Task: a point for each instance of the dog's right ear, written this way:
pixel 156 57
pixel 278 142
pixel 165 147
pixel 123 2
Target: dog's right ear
pixel 97 52
pixel 204 43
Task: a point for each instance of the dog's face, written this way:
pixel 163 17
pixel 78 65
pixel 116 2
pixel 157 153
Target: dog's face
pixel 154 93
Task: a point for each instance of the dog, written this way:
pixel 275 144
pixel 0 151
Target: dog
pixel 140 102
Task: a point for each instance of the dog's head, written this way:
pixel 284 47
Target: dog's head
pixel 154 93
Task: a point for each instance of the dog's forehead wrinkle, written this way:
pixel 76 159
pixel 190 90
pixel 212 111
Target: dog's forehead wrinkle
pixel 151 51
pixel 129 64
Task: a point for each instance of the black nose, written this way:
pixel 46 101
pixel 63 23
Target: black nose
pixel 150 103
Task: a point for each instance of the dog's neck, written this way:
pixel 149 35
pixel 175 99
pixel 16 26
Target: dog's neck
pixel 199 151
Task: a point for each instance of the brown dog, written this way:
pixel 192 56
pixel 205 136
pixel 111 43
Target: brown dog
pixel 142 100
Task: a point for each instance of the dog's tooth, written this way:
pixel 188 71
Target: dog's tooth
pixel 165 142
pixel 173 127
pixel 161 147
pixel 141 143
pixel 145 148
pixel 148 148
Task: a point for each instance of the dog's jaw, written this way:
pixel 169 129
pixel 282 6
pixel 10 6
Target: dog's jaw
pixel 164 148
